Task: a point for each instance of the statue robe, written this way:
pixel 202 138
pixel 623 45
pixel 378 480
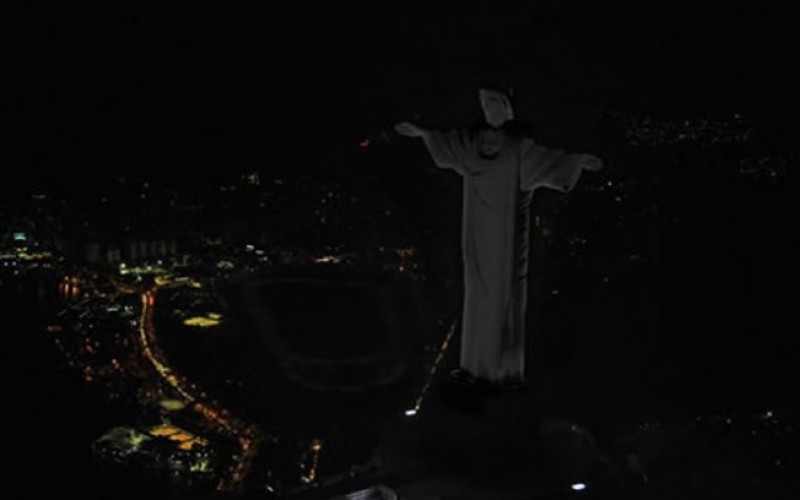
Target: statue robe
pixel 497 196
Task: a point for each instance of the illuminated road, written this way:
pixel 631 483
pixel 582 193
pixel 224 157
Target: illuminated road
pixel 247 435
pixel 414 410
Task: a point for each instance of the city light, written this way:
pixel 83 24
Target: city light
pixel 172 404
pixel 328 259
pixel 247 435
pixel 316 447
pixel 201 321
pixel 186 441
pixel 162 280
pixel 578 487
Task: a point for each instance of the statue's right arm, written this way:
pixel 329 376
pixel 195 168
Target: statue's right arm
pixel 409 129
pixel 449 150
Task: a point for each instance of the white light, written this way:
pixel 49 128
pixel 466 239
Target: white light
pixel 578 487
pixel 411 413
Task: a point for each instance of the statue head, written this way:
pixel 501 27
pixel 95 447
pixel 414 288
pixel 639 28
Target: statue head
pixel 496 106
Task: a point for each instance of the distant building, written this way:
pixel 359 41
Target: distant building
pixel 20 232
pixel 132 251
pixel 102 253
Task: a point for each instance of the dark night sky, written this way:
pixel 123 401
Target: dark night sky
pixel 133 86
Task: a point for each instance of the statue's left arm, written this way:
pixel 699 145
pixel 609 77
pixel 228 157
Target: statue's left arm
pixel 553 168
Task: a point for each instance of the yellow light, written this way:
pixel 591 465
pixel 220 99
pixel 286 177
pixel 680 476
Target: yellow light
pixel 137 440
pixel 161 280
pixel 316 446
pixel 173 404
pixel 201 321
pixel 185 440
pixel 163 430
pixel 200 466
pixel 181 436
pixel 187 445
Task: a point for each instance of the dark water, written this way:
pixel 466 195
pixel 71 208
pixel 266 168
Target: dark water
pixel 50 414
pixel 338 359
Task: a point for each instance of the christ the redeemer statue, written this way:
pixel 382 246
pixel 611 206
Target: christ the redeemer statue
pixel 500 169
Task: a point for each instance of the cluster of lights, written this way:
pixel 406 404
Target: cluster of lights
pixel 70 287
pixel 186 441
pixel 700 131
pixel 767 167
pixel 147 269
pixel 248 436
